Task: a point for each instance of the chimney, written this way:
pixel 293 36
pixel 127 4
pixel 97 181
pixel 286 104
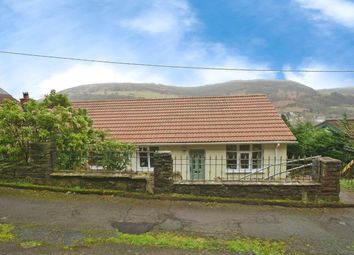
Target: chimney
pixel 25 98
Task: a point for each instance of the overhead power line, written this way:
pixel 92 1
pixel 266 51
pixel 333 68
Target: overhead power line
pixel 174 66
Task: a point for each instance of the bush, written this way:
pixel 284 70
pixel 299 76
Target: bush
pixel 111 155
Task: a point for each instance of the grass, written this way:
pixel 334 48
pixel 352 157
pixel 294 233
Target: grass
pixel 347 184
pixel 172 240
pixel 31 244
pixel 6 232
pixel 257 246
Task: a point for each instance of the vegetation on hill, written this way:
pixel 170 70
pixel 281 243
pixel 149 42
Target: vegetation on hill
pixel 297 101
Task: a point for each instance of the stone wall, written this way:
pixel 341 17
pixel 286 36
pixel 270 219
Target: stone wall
pixel 327 189
pixel 36 171
pixel 163 172
pixel 42 170
pixel 100 180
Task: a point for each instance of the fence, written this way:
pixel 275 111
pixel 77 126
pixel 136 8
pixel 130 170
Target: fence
pixel 207 170
pixel 219 169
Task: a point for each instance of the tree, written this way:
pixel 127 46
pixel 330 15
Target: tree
pixel 317 141
pixel 50 120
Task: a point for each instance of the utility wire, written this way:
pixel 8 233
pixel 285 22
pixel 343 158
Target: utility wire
pixel 174 66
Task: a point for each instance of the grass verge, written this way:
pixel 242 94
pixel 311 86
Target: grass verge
pixel 347 184
pixel 176 197
pixel 31 244
pixel 6 232
pixel 172 240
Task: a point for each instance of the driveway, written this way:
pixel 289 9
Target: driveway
pixel 58 217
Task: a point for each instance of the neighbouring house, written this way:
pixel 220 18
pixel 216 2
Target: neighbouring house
pixel 208 137
pixel 5 96
pixel 334 125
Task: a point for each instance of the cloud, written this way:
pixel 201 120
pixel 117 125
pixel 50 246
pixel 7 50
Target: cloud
pixel 172 16
pixel 320 80
pixel 339 11
pixel 95 73
pixel 163 32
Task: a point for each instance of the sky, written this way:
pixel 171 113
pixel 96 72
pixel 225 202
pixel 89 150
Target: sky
pixel 266 34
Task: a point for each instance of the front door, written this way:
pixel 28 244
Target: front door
pixel 197 164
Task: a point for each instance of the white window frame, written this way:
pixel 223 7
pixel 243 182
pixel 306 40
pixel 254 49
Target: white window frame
pixel 148 151
pixel 238 169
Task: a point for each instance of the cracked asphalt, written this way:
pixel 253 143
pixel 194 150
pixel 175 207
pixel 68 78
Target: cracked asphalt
pixel 64 217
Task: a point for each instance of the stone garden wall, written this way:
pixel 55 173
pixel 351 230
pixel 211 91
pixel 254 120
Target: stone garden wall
pixel 327 189
pixel 42 170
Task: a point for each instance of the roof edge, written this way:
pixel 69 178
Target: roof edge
pixel 205 143
pixel 169 98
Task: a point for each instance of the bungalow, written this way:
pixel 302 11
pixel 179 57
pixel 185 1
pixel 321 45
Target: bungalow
pixel 5 96
pixel 335 125
pixel 235 134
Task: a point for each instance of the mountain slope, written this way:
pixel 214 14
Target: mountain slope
pixel 292 98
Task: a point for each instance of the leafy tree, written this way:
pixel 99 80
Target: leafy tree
pixel 111 155
pixel 317 141
pixel 51 120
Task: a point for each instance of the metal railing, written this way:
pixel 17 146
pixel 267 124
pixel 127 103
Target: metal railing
pixel 212 169
pixel 216 170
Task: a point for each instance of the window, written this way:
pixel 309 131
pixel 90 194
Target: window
pixel 231 156
pixel 146 156
pixel 243 157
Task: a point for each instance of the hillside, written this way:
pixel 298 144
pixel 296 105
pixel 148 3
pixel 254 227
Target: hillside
pixel 294 99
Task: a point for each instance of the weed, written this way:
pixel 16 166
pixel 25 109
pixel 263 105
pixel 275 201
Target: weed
pixel 257 246
pixel 6 232
pixel 242 245
pixel 347 184
pixel 31 244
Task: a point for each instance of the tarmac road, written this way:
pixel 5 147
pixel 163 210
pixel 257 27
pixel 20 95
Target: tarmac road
pixel 62 218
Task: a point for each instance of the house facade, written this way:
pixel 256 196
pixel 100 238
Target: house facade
pixel 208 137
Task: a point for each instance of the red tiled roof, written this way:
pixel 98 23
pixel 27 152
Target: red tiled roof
pixel 335 123
pixel 4 97
pixel 189 120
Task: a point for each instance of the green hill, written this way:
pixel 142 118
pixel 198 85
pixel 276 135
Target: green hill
pixel 294 99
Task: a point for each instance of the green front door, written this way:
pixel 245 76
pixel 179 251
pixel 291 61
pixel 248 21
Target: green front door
pixel 197 164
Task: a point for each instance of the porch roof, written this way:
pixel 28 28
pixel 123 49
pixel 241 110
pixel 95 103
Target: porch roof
pixel 227 119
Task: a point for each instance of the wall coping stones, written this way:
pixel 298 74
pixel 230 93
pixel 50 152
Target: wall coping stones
pixel 249 183
pixel 329 160
pixel 134 176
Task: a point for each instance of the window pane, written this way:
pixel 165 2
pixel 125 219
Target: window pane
pixel 244 160
pixel 231 147
pixel 257 147
pixel 232 164
pixel 231 155
pixel 256 155
pixel 245 147
pixel 143 161
pixel 151 159
pixel 256 160
pixel 154 149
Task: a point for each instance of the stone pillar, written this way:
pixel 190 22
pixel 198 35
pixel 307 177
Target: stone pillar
pixel 41 162
pixel 163 171
pixel 329 177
